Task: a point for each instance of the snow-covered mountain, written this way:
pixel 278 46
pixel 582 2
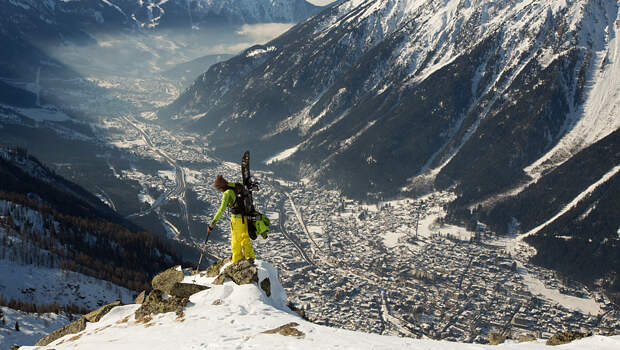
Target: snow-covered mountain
pixel 231 316
pixel 427 77
pixel 396 97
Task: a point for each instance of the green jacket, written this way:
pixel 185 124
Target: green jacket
pixel 228 201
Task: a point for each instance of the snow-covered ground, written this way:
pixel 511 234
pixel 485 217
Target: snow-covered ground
pixel 31 327
pixel 43 285
pixel 521 250
pixel 229 316
pixel 585 305
pixel 429 222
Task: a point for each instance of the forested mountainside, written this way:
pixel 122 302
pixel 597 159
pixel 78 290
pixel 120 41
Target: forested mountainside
pixel 52 222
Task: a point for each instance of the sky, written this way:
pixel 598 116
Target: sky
pixel 320 2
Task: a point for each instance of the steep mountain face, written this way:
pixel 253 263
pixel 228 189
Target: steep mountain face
pixel 185 73
pixel 402 87
pixel 393 97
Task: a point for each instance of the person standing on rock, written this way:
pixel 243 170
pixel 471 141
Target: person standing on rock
pixel 239 238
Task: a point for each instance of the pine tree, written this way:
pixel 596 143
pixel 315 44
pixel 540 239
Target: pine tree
pixel 17 326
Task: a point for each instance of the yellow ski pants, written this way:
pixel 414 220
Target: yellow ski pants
pixel 240 239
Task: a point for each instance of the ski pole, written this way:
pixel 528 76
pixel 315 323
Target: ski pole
pixel 204 247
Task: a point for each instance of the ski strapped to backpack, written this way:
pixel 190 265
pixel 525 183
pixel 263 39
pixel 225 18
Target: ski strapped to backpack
pixel 258 224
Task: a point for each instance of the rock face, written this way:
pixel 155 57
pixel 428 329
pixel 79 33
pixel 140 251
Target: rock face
pixel 565 337
pixel 266 286
pixel 140 298
pixel 496 339
pixel 156 304
pixel 185 290
pixel 241 272
pixel 288 330
pixel 166 280
pixel 77 326
pixel 214 270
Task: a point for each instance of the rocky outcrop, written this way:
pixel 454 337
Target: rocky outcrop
pixel 140 298
pixel 241 272
pixel 156 304
pixel 185 290
pixel 496 339
pixel 301 312
pixel 265 285
pixel 565 337
pixel 214 269
pixel 287 330
pixel 164 281
pixel 77 326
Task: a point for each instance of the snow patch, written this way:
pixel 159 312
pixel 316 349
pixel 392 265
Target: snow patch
pixel 282 155
pixel 260 51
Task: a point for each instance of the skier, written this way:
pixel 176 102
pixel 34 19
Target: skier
pixel 240 239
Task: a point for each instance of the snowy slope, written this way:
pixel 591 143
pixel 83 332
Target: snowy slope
pixel 31 327
pixel 229 316
pixel 600 114
pixel 43 285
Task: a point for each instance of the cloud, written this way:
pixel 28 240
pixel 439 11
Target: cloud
pixel 262 33
pixel 232 49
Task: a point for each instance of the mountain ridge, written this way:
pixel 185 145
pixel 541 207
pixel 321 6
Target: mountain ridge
pixel 238 314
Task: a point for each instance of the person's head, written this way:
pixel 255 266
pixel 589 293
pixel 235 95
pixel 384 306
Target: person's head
pixel 220 183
